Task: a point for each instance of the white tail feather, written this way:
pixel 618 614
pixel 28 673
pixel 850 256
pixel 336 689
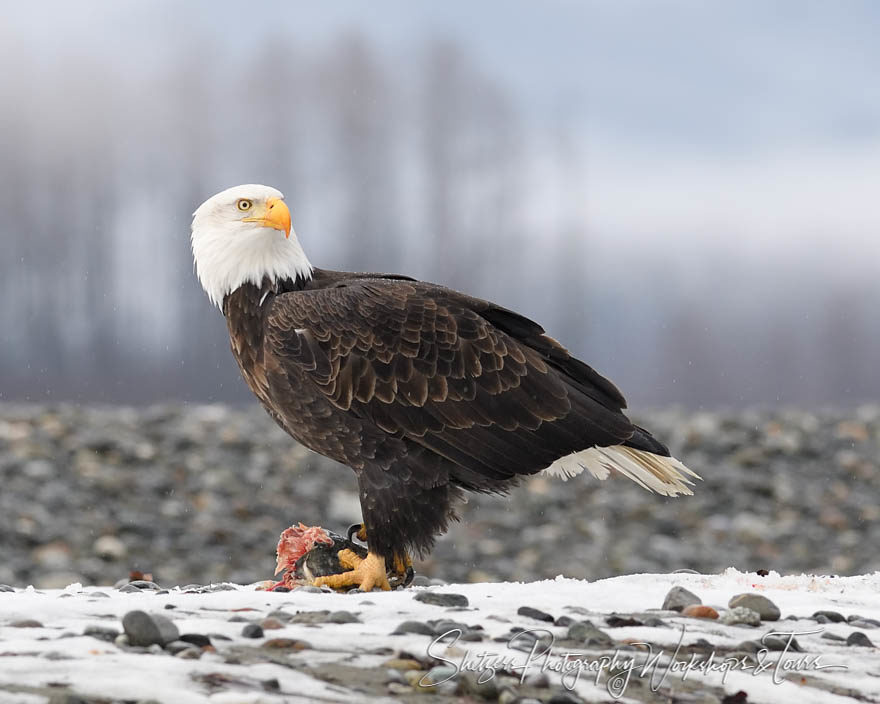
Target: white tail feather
pixel 663 475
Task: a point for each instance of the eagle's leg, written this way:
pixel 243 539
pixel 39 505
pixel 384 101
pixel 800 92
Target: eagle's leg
pixel 366 573
pixel 402 569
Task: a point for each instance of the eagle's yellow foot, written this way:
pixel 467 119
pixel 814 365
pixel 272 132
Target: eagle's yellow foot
pixel 365 573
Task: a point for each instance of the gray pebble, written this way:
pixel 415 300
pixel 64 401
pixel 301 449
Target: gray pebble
pixel 176 646
pixel 101 633
pixel 678 598
pixel 441 599
pixel 413 627
pixel 767 610
pixel 586 633
pixel 864 623
pixel 6 588
pixel 342 617
pixel 536 614
pixel 469 683
pixel 741 615
pixel 309 589
pixel 829 616
pixel 144 584
pixel 827 635
pixel 26 623
pixel 564 621
pixel 190 653
pixel 858 638
pixel 196 639
pixel 252 630
pixel 145 629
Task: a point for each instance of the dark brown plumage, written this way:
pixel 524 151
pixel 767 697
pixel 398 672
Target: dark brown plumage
pixel 422 390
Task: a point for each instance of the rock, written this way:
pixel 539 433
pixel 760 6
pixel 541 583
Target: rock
pixel 699 611
pixel 342 617
pixel 190 653
pixel 101 633
pixel 26 623
pixel 586 633
pixel 539 680
pixel 252 630
pixel 402 664
pixel 413 627
pixel 441 599
pixel 864 623
pixel 564 621
pixel 615 621
pixel 6 588
pixel 436 675
pixel 145 584
pixel 859 639
pixel 741 615
pixel 286 644
pixel 829 616
pixel 176 646
pixel 827 635
pixel 196 639
pixel 143 629
pixel 477 684
pixel 536 614
pixel 271 624
pixel 767 610
pixel 679 597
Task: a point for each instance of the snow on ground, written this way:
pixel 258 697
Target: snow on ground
pixel 348 661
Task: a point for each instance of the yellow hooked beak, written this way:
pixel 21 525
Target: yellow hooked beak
pixel 276 216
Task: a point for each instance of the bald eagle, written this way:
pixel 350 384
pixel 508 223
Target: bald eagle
pixel 423 391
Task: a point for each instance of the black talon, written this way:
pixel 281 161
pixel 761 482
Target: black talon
pixel 354 530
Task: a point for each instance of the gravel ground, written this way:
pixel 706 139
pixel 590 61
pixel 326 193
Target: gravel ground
pixel 201 493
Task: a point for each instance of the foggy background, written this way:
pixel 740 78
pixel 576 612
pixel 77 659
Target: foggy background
pixel 684 193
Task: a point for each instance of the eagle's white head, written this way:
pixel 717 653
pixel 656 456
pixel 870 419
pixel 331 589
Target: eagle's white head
pixel 242 235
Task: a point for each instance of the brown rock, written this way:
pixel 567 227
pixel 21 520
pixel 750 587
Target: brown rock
pixel 699 611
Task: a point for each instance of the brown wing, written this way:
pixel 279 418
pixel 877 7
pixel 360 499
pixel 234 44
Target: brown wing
pixel 475 383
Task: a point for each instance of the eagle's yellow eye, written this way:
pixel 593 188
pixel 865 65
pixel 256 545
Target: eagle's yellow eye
pixel 244 204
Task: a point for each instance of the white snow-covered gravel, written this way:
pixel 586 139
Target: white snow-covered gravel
pixel 33 659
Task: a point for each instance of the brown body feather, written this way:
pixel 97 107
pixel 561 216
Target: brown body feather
pixel 421 390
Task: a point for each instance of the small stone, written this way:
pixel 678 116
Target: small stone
pixel 507 696
pixel 145 629
pixel 26 623
pixel 436 675
pixel 399 688
pixel 121 641
pixel 417 627
pixel 564 621
pixel 767 610
pixel 144 584
pixel 864 623
pixel 176 646
pixel 536 614
pixel 101 633
pixel 829 616
pixel 478 684
pixel 538 680
pixel 271 624
pixel 6 588
pixel 679 597
pixel 412 677
pixel 586 633
pixel 741 615
pixel 196 639
pixel 780 643
pixel 699 611
pixel 190 653
pixel 859 639
pixel 827 635
pixel 129 589
pixel 342 617
pixel 441 599
pixel 309 589
pixel 402 664
pixel 252 630
pixel 615 621
pixel 286 644
pixel 564 698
